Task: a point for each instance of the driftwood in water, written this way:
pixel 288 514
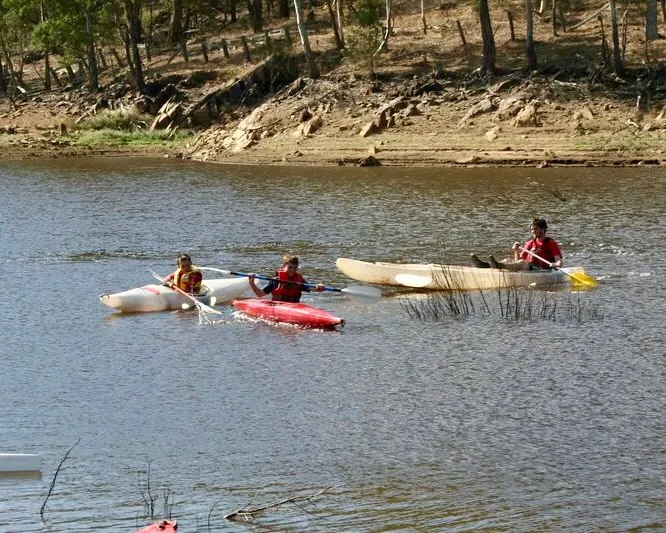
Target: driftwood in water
pixel 248 512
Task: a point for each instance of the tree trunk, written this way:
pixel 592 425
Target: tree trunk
pixel 530 50
pixel 254 13
pixel 3 84
pixel 338 13
pixel 553 17
pixel 305 41
pixel 334 24
pixel 651 20
pixel 47 63
pixel 232 11
pixel 91 53
pixel 423 17
pixel 176 22
pixel 133 14
pixel 388 29
pixel 488 39
pixel 617 58
pixel 283 9
pixel 8 62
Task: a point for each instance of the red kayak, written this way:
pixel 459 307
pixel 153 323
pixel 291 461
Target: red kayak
pixel 289 313
pixel 163 526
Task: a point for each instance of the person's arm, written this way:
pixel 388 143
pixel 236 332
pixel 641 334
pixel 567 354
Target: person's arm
pixel 517 254
pixel 556 253
pixel 197 279
pixel 269 288
pixel 319 287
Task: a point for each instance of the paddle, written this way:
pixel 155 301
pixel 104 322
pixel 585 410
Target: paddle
pixel 361 293
pixel 199 305
pixel 577 277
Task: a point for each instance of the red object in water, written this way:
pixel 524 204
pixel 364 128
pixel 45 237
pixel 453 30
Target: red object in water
pixel 290 313
pixel 163 526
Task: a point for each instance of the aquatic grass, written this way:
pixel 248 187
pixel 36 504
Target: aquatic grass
pixel 514 304
pixel 511 303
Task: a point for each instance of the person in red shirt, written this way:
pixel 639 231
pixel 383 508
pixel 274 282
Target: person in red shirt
pixel 541 245
pixel 288 284
pixel 186 277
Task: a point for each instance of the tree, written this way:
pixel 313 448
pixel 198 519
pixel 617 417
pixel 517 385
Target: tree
pixel 305 41
pixel 176 23
pixel 617 56
pixel 335 25
pixel 651 20
pixel 530 50
pixel 338 16
pixel 388 29
pixel 283 9
pixel 488 39
pixel 255 15
pixel 133 19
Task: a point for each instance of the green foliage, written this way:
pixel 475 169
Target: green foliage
pixel 368 12
pixel 362 43
pixel 117 139
pixel 125 119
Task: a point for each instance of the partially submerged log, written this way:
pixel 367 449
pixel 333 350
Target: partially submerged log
pixel 248 512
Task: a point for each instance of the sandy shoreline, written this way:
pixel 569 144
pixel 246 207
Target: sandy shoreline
pixel 396 149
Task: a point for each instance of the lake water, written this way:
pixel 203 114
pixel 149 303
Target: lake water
pixel 460 424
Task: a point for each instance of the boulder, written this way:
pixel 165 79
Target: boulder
pixel 528 116
pixel 369 161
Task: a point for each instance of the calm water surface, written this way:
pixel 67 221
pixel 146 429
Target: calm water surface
pixel 457 425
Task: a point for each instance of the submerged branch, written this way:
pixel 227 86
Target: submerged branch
pixel 55 475
pixel 248 512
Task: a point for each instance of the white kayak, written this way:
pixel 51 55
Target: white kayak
pixel 160 298
pixel 20 462
pixel 450 277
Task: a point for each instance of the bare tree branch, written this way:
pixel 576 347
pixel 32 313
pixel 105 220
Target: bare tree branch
pixel 55 475
pixel 247 512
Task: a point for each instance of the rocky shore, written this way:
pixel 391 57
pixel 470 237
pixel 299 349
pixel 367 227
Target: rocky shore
pixel 423 121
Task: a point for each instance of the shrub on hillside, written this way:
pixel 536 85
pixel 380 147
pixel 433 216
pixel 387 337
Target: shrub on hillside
pixel 126 118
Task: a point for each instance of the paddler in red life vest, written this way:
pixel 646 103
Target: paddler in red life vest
pixel 288 284
pixel 186 277
pixel 539 244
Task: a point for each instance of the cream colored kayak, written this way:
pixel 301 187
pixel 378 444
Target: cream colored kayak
pixel 449 277
pixel 160 298
pixel 20 462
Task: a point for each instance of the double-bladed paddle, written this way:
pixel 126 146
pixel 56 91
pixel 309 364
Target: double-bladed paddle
pixel 199 305
pixel 579 278
pixel 361 293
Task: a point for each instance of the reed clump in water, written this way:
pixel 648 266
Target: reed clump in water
pixel 511 303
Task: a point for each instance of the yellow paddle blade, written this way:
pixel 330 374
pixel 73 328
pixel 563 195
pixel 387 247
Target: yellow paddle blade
pixel 579 278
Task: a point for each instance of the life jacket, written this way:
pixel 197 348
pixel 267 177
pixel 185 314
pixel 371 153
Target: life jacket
pixel 542 251
pixel 288 289
pixel 188 281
